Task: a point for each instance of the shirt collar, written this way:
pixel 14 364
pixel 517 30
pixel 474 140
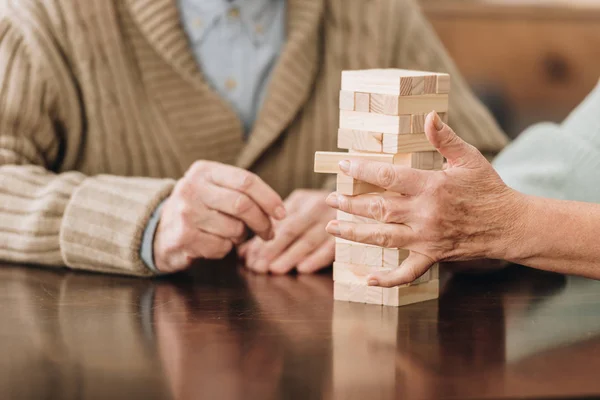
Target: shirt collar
pixel 200 15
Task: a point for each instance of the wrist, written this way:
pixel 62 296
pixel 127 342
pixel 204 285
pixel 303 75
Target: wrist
pixel 515 215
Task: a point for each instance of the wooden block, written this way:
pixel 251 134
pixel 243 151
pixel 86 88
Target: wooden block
pixel 343 252
pixel 386 81
pixel 354 273
pixel 341 291
pixel 392 258
pixel 401 106
pixel 435 271
pixel 443 84
pixel 417 123
pixel 438 161
pixel 328 162
pixel 414 142
pixel 361 254
pixel 362 102
pixel 349 186
pixel 353 139
pixel 374 295
pixel 343 216
pixel 444 117
pixel 430 84
pixel 428 160
pixel 426 277
pixel 346 100
pixel 400 296
pixel 370 122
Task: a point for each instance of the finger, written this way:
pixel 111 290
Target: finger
pixel 386 207
pixel 252 186
pixel 395 178
pixel 242 250
pixel 287 232
pixel 382 235
pixel 291 257
pixel 253 257
pixel 449 144
pixel 209 246
pixel 413 267
pixel 219 224
pixel 321 258
pixel 237 205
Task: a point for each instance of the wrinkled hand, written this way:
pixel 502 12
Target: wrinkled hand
pixel 461 213
pixel 208 212
pixel 300 240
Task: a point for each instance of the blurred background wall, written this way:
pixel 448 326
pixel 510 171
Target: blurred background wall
pixel 528 60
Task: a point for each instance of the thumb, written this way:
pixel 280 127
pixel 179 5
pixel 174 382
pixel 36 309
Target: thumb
pixel 413 267
pixel 449 144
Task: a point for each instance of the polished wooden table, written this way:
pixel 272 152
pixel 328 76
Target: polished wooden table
pixel 222 333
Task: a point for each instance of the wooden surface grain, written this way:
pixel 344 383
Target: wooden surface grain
pixel 220 332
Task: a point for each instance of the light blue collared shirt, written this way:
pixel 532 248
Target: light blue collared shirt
pixel 236 44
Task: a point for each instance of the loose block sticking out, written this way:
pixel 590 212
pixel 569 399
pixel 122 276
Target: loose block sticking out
pixel 400 296
pixel 346 100
pixel 362 102
pixel 328 162
pixel 443 83
pixel 399 105
pixel 349 186
pixel 414 142
pixel 392 258
pixel 354 120
pixel 418 123
pixel 360 140
pixel 391 81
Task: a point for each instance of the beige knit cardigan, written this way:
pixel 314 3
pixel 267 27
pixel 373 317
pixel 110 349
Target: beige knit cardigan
pixel 102 107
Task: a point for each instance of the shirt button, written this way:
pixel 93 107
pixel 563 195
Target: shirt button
pixel 234 13
pixel 230 84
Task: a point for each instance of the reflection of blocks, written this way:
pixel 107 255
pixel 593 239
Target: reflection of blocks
pixel 382 119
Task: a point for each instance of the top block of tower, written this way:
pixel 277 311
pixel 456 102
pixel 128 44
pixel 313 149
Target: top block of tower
pixel 399 82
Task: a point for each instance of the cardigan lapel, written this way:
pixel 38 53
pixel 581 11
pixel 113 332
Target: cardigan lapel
pixel 292 79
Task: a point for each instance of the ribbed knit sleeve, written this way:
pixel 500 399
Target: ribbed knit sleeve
pixel 56 219
pixel 421 49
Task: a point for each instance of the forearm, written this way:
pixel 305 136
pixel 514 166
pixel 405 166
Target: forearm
pixel 557 235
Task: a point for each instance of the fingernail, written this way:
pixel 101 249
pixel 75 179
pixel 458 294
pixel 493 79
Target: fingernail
pixel 280 212
pixel 437 121
pixel 261 265
pixel 344 165
pixel 332 200
pixel 373 282
pixel 334 228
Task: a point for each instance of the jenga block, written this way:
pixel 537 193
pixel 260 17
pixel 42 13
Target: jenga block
pixel 346 100
pixel 354 273
pixel 374 295
pixel 341 291
pixel 417 123
pixel 343 252
pixel 349 186
pixel 430 84
pixel 328 162
pixel 402 106
pixel 429 160
pixel 435 271
pixel 357 219
pixel 388 81
pixel 370 122
pixel 443 84
pixel 362 102
pixel 400 296
pixel 360 140
pixel 340 240
pixel 371 256
pixel 413 142
pixel 392 258
pixel 426 277
pixel 438 161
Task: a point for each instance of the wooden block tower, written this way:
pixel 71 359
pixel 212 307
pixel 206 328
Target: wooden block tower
pixel 382 118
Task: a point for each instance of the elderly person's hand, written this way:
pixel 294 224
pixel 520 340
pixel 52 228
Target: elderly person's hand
pixel 463 212
pixel 300 241
pixel 208 212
